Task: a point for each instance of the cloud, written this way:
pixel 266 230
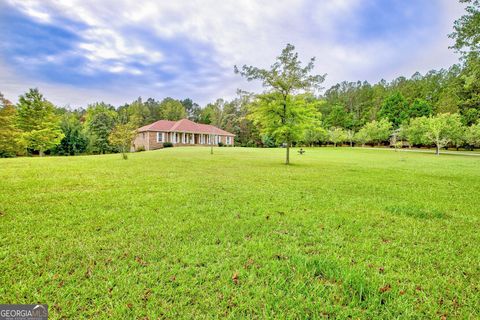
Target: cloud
pixel 119 50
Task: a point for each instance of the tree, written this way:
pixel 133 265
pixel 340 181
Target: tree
pixel 442 129
pixel 419 108
pixel 38 121
pixel 415 131
pixel 466 29
pixel 377 131
pixel 268 113
pixel 350 137
pixel 473 135
pixel 339 117
pixel 10 136
pixel 122 137
pixel 191 108
pixel 394 109
pixel 213 113
pixel 337 135
pixel 314 135
pixel 99 129
pixel 75 141
pixel 361 137
pixel 172 109
pixel 279 112
pixel 139 112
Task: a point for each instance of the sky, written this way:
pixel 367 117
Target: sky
pixel 84 51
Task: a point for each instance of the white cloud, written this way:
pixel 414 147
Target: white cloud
pixel 238 32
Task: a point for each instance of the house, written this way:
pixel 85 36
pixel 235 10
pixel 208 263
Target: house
pixel 180 133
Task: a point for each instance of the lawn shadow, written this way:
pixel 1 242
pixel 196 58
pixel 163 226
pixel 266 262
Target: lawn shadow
pixel 416 212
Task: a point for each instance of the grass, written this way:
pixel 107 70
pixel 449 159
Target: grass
pixel 179 233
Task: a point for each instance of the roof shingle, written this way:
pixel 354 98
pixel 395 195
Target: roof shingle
pixel 184 125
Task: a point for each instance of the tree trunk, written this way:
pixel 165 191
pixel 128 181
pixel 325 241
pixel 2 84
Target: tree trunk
pixel 437 150
pixel 351 144
pixel 287 161
pixel 40 153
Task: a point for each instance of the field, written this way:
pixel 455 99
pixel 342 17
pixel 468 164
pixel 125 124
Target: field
pixel 180 233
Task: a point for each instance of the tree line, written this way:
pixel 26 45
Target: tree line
pixel 438 109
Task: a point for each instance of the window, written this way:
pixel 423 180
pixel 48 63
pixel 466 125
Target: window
pixel 228 140
pixel 159 136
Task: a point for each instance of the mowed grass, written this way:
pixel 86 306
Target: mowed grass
pixel 180 233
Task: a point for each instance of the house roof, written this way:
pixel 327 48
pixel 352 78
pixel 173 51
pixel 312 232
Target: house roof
pixel 184 125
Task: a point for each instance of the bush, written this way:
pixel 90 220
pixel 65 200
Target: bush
pixel 167 144
pixel 220 144
pixel 140 148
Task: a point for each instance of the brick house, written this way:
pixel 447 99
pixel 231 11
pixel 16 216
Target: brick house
pixel 180 133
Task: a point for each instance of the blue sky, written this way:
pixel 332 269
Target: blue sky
pixel 82 51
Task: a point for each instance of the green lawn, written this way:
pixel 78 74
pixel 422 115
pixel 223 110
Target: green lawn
pixel 179 233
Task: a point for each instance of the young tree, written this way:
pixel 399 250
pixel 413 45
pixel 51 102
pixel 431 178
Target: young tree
pixel 122 137
pixel 350 137
pixel 415 131
pixel 337 135
pixel 314 135
pixel 38 121
pixel 378 131
pixel 10 136
pixel 442 129
pixel 268 112
pixel 473 135
pixel 286 77
pixel 361 137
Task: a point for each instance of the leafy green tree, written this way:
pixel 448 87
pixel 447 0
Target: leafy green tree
pixel 466 29
pixel 96 108
pixel 267 112
pixel 415 131
pixel 37 119
pixel 377 131
pixel 361 137
pixel 172 109
pixel 339 117
pixel 122 137
pixel 138 112
pixel 350 137
pixel 75 141
pixel 213 113
pixel 191 108
pixel 442 129
pixel 99 129
pixel 278 112
pixel 394 109
pixel 473 135
pixel 154 109
pixel 337 135
pixel 10 136
pixel 419 108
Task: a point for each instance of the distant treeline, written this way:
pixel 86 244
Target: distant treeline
pixel 397 112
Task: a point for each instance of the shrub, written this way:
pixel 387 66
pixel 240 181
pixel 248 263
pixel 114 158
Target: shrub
pixel 167 144
pixel 140 148
pixel 220 144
